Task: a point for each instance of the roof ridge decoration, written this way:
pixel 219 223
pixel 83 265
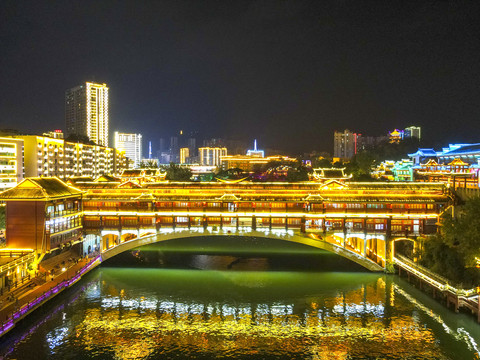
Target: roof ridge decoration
pixel 145 196
pixel 229 197
pixel 333 184
pixel 129 184
pixel 314 197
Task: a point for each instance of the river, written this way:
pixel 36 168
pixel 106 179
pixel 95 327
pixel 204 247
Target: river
pixel 277 302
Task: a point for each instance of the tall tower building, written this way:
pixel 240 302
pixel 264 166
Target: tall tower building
pixel 413 132
pixel 86 112
pixel 345 144
pixel 131 144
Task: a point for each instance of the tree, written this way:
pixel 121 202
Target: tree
pixel 463 231
pixel 454 251
pixel 361 166
pixel 148 164
pixel 322 163
pixel 444 259
pixel 177 173
pixel 299 173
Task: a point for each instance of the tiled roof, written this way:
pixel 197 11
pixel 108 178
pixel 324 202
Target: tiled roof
pixel 40 189
pixel 107 178
pixel 467 149
pixel 424 152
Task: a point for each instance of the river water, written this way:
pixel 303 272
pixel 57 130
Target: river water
pixel 159 303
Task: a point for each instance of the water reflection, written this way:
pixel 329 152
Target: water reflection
pixel 125 313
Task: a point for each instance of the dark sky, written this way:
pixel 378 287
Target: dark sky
pixel 285 72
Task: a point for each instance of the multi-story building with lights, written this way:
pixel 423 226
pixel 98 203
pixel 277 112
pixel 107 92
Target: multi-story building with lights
pixel 413 132
pixel 131 145
pixel 345 144
pixel 211 155
pixel 46 156
pixel 50 202
pixel 184 155
pixel 86 112
pixel 11 162
pixel 249 163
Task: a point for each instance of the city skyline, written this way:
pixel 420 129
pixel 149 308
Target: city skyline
pixel 248 70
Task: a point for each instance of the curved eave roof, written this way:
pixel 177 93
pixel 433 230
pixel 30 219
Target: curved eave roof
pixel 40 189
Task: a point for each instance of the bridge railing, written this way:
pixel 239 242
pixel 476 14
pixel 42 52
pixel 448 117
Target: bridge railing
pixel 430 277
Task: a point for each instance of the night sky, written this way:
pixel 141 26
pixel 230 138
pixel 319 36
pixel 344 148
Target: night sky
pixel 288 73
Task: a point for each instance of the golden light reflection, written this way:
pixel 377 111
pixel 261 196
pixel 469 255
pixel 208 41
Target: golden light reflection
pixel 337 327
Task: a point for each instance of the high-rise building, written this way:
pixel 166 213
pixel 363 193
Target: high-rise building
pixel 345 144
pixel 211 156
pixel 86 112
pixel 413 132
pixel 184 155
pixel 131 144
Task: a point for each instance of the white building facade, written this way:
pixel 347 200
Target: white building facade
pixel 131 144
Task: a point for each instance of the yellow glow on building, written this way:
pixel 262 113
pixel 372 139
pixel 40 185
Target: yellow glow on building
pixel 211 155
pixel 11 162
pixel 46 156
pixel 184 154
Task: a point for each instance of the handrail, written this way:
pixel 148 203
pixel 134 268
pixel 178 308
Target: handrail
pixel 16 262
pixel 10 322
pixel 423 269
pixel 440 282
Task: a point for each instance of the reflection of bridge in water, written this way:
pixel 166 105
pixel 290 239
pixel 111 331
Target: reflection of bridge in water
pixel 360 221
pixel 135 327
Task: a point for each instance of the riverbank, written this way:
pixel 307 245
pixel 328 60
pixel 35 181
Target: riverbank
pixel 16 310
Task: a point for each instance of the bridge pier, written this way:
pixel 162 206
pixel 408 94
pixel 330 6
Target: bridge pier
pixel 254 223
pixel 452 300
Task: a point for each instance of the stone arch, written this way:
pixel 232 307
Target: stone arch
pixel 372 247
pixel 110 240
pixel 285 235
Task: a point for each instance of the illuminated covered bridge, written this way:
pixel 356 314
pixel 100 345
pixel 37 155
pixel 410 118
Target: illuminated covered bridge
pixel 360 221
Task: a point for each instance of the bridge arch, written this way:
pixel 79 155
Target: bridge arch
pixel 285 235
pixel 404 244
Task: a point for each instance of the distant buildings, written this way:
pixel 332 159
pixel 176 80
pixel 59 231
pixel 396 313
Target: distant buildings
pixel 395 136
pixel 413 132
pixel 211 155
pixel 56 134
pixel 255 152
pixel 131 145
pixel 345 144
pixel 86 112
pixel 184 155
